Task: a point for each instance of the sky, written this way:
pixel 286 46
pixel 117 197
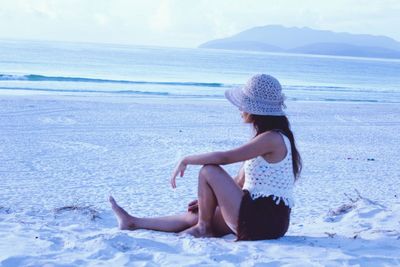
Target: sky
pixel 186 23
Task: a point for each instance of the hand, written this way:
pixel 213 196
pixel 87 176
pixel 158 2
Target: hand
pixel 179 169
pixel 193 206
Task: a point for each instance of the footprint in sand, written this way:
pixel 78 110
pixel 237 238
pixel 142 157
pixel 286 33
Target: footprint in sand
pixel 79 146
pixel 347 119
pixel 60 120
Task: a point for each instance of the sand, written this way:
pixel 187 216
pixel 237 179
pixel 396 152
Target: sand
pixel 62 155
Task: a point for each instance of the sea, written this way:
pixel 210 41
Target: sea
pixel 64 153
pixel 131 71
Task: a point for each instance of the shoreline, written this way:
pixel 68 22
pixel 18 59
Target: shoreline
pixel 95 96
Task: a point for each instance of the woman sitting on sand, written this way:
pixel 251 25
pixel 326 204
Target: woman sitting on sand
pixel 257 203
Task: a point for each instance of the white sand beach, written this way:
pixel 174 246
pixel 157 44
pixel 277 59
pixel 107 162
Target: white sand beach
pixel 62 155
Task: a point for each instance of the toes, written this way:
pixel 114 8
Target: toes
pixel 112 200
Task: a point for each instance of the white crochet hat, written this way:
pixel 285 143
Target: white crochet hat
pixel 262 95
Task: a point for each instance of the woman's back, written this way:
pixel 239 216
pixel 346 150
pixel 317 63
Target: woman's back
pixel 263 179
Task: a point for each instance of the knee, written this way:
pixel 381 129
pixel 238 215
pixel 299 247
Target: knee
pixel 208 170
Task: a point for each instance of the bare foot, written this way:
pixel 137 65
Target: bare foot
pixel 198 231
pixel 125 221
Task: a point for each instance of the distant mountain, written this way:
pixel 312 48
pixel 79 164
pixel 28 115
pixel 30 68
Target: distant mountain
pixel 275 38
pixel 241 45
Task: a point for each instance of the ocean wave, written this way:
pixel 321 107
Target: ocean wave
pixel 327 88
pixel 126 92
pixel 194 95
pixel 40 78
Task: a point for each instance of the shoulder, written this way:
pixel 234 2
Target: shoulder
pixel 270 137
pixel 261 144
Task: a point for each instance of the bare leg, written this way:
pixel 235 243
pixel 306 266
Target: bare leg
pixel 219 226
pixel 173 223
pixel 216 187
pixel 207 206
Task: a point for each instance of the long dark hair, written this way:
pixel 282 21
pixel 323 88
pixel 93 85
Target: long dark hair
pixel 263 123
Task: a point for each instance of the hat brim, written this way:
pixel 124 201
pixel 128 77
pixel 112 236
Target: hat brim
pixel 235 96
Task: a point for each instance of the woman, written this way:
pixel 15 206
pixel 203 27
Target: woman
pixel 257 203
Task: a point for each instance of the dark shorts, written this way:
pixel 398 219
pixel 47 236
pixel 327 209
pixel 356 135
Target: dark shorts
pixel 261 218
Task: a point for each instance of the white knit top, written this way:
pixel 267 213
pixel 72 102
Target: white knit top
pixel 263 179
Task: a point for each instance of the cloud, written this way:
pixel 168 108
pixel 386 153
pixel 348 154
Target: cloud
pixel 41 8
pixel 186 23
pixel 101 19
pixel 161 19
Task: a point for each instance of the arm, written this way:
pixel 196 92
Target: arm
pixel 239 179
pixel 261 144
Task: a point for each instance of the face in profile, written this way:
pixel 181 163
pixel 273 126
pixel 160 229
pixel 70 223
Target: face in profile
pixel 246 117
